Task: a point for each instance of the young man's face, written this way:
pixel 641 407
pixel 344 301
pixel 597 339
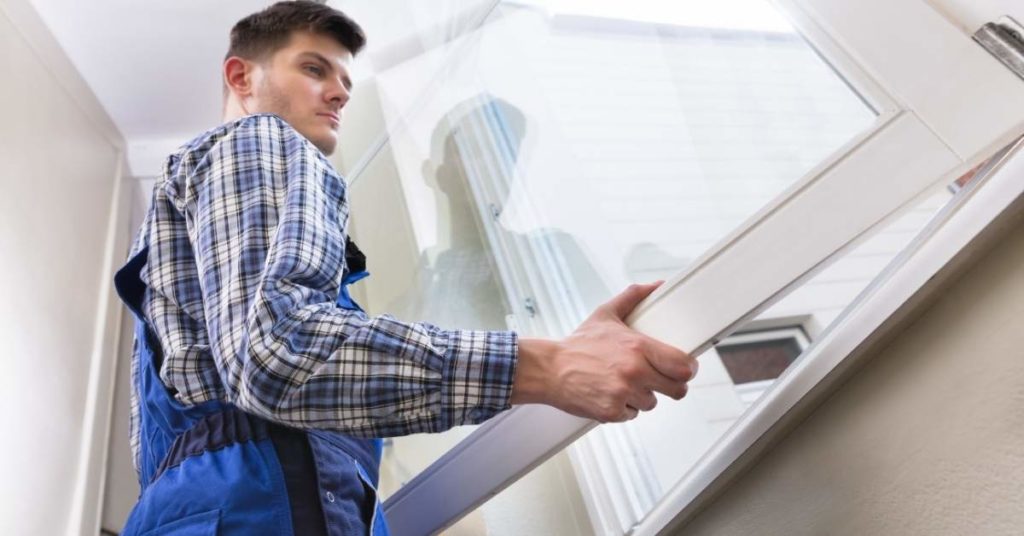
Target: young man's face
pixel 306 83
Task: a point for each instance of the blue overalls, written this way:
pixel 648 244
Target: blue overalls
pixel 211 468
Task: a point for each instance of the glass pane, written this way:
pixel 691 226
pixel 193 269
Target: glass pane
pixel 667 442
pixel 541 159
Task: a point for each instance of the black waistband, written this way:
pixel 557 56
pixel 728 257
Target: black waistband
pixel 231 426
pixel 213 432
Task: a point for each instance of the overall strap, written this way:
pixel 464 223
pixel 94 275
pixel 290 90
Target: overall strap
pixel 129 284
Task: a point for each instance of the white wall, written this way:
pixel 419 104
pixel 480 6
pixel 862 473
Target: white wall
pixel 59 167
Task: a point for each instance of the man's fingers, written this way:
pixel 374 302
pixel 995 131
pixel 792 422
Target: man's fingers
pixel 670 361
pixel 627 300
pixel 628 413
pixel 648 379
pixel 670 388
pixel 643 400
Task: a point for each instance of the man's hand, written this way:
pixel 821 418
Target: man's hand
pixel 605 370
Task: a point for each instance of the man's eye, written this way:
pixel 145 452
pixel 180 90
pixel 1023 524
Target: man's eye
pixel 315 70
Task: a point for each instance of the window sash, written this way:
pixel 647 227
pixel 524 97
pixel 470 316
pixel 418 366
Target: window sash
pixel 891 51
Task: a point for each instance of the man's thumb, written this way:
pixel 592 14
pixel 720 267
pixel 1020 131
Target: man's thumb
pixel 627 300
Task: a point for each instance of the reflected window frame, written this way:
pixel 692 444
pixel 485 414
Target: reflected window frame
pixel 750 391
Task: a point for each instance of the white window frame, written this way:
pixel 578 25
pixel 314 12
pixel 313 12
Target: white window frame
pixel 891 51
pixel 961 231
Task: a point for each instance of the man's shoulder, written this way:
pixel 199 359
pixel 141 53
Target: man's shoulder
pixel 238 138
pixel 251 127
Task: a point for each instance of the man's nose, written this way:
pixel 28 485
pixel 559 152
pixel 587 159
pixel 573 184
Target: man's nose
pixel 337 93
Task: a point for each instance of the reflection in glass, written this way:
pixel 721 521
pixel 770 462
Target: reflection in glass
pixel 758 361
pixel 540 161
pixel 755 359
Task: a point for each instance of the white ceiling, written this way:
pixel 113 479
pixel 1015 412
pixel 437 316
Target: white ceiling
pixel 155 65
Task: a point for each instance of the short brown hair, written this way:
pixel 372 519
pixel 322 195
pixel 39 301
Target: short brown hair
pixel 259 35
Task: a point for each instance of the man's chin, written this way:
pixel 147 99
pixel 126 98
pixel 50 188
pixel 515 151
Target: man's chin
pixel 326 142
pixel 326 146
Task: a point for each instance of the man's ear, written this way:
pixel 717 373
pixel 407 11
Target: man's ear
pixel 238 76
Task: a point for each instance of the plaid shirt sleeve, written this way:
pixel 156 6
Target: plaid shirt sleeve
pixel 266 215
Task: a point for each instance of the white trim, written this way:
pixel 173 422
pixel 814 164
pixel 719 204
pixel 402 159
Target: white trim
pixel 929 261
pixel 87 501
pixel 788 331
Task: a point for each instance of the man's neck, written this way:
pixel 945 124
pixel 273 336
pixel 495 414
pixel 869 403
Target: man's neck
pixel 233 110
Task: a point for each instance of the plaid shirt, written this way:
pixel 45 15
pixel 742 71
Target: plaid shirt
pixel 246 237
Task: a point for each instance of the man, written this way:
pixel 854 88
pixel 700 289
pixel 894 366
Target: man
pixel 255 376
